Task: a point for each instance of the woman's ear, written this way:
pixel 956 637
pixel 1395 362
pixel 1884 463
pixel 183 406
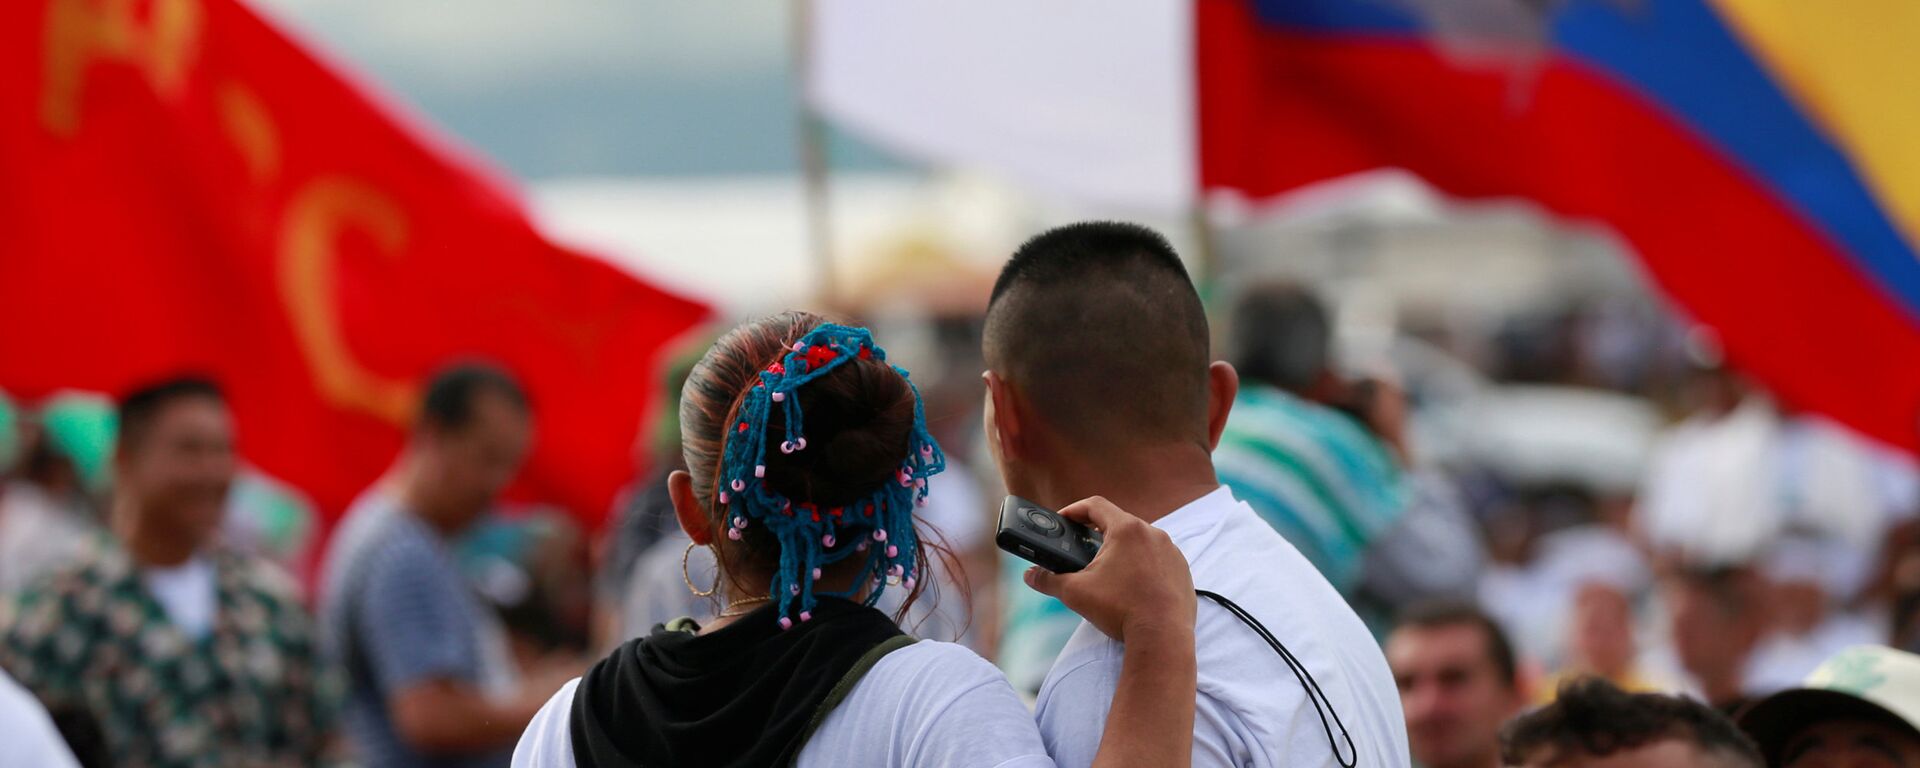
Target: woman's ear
pixel 692 518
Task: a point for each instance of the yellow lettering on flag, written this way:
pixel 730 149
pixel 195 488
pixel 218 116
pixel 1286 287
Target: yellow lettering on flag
pixel 317 216
pixel 82 32
pixel 251 128
pixel 1850 66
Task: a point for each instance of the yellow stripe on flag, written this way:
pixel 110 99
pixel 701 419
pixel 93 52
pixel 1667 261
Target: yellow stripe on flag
pixel 1851 67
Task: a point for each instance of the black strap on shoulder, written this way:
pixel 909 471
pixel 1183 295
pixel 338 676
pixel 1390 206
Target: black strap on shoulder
pixel 1310 685
pixel 845 687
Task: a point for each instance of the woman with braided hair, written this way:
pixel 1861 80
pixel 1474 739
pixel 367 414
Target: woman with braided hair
pixel 807 454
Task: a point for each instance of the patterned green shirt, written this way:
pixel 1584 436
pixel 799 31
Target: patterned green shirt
pixel 254 692
pixel 1314 474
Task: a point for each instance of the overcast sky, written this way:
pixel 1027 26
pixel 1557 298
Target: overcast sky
pixel 553 88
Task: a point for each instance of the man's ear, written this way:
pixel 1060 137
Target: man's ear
pixel 1223 384
pixel 692 518
pixel 1005 420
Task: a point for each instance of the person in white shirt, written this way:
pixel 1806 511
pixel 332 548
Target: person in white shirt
pixel 31 738
pixel 797 667
pixel 1100 382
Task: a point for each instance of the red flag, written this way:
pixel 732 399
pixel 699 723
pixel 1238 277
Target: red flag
pixel 184 188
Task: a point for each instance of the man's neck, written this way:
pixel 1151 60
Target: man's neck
pixel 1149 483
pixel 407 485
pixel 149 548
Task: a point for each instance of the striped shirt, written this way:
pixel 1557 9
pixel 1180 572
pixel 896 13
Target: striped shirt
pixel 1313 473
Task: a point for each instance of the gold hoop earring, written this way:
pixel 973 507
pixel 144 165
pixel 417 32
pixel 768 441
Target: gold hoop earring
pixel 687 573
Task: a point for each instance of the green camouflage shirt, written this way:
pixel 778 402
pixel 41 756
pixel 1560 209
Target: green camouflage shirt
pixel 253 692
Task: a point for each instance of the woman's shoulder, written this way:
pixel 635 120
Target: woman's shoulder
pixel 930 703
pixel 934 660
pixel 548 740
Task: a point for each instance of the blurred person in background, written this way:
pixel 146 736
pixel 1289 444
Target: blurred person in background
pixel 1325 461
pixel 431 674
pixel 642 515
pixel 1459 682
pixel 1600 641
pixel 1808 581
pixel 46 517
pixel 183 652
pixel 1592 724
pixel 1716 619
pixel 1859 709
pixel 28 732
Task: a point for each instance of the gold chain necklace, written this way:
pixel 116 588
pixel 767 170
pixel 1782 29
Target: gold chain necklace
pixel 729 612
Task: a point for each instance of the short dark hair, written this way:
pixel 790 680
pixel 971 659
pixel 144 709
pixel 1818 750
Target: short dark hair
pixel 448 402
pixel 1281 335
pixel 1084 309
pixel 1592 716
pixel 142 406
pixel 1437 614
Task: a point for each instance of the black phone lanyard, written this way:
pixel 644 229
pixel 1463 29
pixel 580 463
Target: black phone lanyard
pixel 1310 685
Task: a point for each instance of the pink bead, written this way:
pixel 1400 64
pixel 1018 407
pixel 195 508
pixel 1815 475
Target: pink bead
pixel 786 446
pixel 806 615
pixel 896 570
pixel 779 397
pixel 739 522
pixel 816 574
pixel 893 551
pixel 723 497
pixel 880 534
pixel 793 589
pixel 908 583
pixel 827 540
pixel 862 547
pixel 799 347
pixel 733 533
pixel 739 484
pixel 800 444
pixel 760 470
pixel 786 623
pixel 927 451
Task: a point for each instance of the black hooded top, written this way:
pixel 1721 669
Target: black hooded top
pixel 747 694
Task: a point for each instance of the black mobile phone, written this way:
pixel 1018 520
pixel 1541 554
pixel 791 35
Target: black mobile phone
pixel 1042 537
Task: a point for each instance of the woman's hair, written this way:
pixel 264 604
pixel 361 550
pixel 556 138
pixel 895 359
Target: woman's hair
pixel 858 420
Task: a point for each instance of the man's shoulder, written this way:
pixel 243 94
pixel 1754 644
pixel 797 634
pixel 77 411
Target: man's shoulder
pixel 262 578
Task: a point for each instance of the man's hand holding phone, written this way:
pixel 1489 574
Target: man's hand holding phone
pixel 1138 583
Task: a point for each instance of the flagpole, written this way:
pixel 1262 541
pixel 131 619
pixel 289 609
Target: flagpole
pixel 1205 248
pixel 812 139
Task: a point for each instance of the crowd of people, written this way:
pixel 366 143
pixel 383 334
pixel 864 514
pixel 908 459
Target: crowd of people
pixel 807 574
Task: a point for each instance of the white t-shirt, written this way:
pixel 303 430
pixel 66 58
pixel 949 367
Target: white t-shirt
pixel 928 704
pixel 1251 710
pixel 28 734
pixel 188 593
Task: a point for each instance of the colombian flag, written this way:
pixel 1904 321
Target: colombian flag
pixel 1762 157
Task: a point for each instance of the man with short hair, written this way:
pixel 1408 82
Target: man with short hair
pixel 1859 708
pixel 1459 682
pixel 1100 383
pixel 185 653
pixel 433 680
pixel 1592 724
